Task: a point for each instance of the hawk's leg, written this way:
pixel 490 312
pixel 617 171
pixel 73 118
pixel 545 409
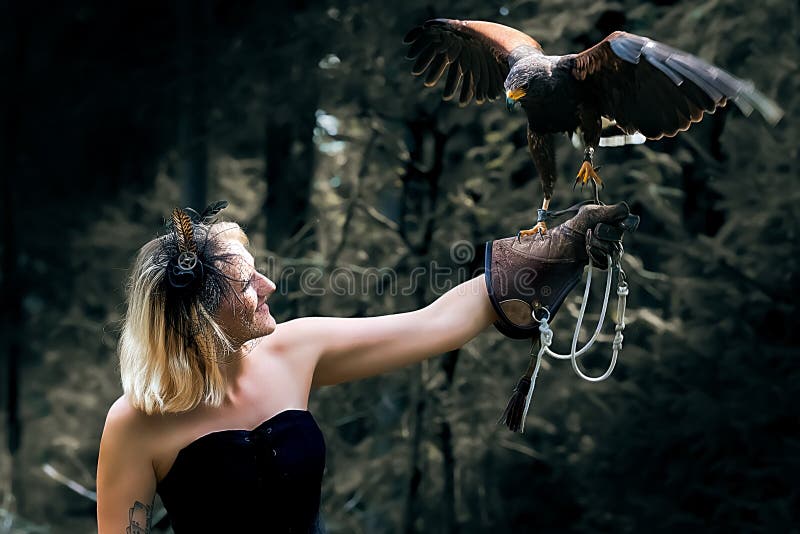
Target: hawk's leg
pixel 541 225
pixel 589 171
pixel 594 188
pixel 543 153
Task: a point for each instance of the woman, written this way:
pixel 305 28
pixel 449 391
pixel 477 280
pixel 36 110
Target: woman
pixel 214 412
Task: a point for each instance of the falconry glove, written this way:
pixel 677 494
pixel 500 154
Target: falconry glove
pixel 533 275
pixel 524 275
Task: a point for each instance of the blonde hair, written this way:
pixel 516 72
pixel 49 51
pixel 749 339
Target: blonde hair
pixel 161 370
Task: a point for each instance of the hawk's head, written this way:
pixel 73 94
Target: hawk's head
pixel 516 86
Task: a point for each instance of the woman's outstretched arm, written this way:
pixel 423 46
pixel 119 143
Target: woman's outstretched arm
pixel 351 348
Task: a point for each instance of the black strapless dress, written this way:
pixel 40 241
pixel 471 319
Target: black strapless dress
pixel 263 480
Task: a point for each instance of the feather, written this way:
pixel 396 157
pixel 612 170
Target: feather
pixel 212 210
pixel 466 89
pixel 762 103
pixel 413 35
pixel 424 59
pixel 453 50
pixel 184 231
pixel 665 93
pixel 623 139
pixel 436 70
pixel 628 48
pixel 482 81
pixel 451 84
pixel 477 53
pixel 497 77
pixel 685 68
pixel 416 48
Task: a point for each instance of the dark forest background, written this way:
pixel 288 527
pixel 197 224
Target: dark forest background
pixel 304 116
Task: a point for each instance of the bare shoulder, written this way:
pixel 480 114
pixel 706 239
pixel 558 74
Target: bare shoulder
pixel 296 339
pixel 293 332
pixel 126 428
pixel 122 417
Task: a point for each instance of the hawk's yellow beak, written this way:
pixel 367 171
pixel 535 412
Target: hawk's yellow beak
pixel 513 96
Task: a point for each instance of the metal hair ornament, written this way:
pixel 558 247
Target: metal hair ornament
pixel 187 261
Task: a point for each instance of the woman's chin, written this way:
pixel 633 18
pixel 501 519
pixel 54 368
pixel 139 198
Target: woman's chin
pixel 270 325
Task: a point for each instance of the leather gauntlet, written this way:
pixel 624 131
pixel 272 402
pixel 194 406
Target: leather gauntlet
pixel 527 274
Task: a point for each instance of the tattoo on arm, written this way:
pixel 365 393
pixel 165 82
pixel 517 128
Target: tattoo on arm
pixel 139 518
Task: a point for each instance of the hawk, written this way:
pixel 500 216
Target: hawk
pixel 643 87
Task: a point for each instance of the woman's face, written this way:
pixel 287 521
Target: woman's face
pixel 245 315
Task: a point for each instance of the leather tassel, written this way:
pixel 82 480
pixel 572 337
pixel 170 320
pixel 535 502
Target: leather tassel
pixel 517 408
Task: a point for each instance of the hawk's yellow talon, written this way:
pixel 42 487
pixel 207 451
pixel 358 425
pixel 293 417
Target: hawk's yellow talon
pixel 586 172
pixel 540 228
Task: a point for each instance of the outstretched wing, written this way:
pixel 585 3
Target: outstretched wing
pixel 664 94
pixel 479 55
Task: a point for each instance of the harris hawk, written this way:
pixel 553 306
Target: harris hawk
pixel 642 87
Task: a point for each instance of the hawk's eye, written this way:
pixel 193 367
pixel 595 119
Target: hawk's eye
pixel 524 86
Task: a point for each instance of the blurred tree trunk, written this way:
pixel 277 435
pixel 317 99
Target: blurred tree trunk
pixel 194 34
pixel 700 211
pixel 11 286
pixel 289 167
pixel 420 196
pixel 449 521
pixel 412 211
pixel 293 76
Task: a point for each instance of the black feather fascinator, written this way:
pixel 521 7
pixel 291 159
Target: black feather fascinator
pixel 193 286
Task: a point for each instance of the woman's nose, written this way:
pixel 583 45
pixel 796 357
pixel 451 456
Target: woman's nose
pixel 268 286
pixel 271 285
